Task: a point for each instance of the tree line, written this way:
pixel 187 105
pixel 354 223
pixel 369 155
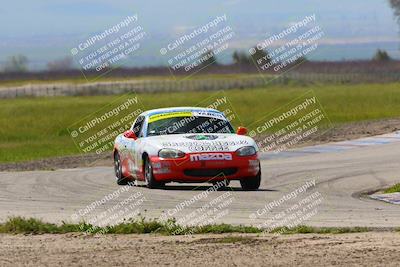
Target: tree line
pixel 19 63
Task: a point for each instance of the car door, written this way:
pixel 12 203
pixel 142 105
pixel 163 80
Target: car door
pixel 134 145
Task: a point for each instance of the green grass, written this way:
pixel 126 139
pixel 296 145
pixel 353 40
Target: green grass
pixel 37 128
pixel 393 189
pixel 20 225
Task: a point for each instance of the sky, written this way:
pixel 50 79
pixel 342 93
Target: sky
pixel 45 30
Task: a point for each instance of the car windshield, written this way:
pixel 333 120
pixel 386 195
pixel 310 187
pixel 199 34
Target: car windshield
pixel 190 124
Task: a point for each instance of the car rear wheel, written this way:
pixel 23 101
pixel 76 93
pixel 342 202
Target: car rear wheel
pixel 121 179
pixel 251 183
pixel 149 177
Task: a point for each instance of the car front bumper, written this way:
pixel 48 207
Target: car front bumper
pixel 188 169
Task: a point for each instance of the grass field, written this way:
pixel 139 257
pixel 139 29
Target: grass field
pixel 19 225
pixel 37 127
pixel 393 189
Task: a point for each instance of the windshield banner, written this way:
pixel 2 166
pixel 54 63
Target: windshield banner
pixel 177 114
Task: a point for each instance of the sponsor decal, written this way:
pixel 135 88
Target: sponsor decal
pixel 177 114
pixel 211 156
pixel 202 137
pixel 211 143
pixel 209 114
pixel 206 145
pixel 168 115
pixel 210 148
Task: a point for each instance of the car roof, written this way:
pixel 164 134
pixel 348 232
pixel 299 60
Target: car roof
pixel 178 109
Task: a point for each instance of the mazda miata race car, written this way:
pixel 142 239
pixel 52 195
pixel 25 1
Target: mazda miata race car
pixel 186 144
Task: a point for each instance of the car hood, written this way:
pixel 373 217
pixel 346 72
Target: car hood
pixel 190 143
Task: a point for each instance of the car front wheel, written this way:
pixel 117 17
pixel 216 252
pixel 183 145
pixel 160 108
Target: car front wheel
pixel 251 183
pixel 149 177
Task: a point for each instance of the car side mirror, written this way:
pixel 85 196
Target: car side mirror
pixel 241 130
pixel 130 135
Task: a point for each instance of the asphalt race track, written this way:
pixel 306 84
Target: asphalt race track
pixel 341 176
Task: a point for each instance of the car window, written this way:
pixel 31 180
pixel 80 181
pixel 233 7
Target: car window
pixel 138 125
pixel 193 124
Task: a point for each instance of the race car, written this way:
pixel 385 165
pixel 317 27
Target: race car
pixel 185 145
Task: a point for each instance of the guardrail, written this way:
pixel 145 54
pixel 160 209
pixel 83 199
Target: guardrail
pixel 152 86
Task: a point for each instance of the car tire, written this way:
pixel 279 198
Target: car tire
pixel 251 183
pixel 149 177
pixel 121 179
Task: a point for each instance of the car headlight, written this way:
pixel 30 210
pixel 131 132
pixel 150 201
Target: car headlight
pixel 246 151
pixel 169 153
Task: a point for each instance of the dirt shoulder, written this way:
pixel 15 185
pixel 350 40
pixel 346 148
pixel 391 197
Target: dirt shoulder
pixel 350 131
pixel 367 249
pixel 67 162
pixel 339 133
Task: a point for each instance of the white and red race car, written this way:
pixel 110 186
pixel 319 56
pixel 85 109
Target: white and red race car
pixel 186 144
